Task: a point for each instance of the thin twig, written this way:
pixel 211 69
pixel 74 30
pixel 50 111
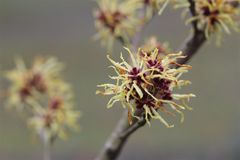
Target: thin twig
pixel 46 151
pixel 194 42
pixel 136 39
pixel 119 137
pixel 115 143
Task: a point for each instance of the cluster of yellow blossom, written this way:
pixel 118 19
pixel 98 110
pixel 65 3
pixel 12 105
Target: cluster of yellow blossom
pixel 152 43
pixel 121 19
pixel 146 86
pixel 41 91
pixel 215 16
pixel 116 20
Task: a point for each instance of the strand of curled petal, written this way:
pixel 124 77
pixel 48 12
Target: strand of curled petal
pixel 216 16
pixel 146 86
pixel 116 19
pixel 154 6
pixel 42 92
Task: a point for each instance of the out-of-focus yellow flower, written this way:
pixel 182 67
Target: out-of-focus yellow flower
pixel 147 85
pixel 27 84
pixel 152 43
pixel 216 16
pixel 51 122
pixel 43 92
pixel 116 19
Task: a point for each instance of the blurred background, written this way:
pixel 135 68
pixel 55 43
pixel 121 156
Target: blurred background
pixel 64 28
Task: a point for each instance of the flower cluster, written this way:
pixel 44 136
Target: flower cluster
pixel 116 19
pixel 152 43
pixel 52 121
pixel 41 91
pixel 216 16
pixel 146 86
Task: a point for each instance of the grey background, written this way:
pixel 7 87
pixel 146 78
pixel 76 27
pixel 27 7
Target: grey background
pixel 64 28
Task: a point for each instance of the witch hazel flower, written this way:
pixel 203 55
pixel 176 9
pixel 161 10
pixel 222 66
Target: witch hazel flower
pixel 152 43
pixel 54 120
pixel 41 91
pixel 27 84
pixel 115 19
pixel 216 16
pixel 146 86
